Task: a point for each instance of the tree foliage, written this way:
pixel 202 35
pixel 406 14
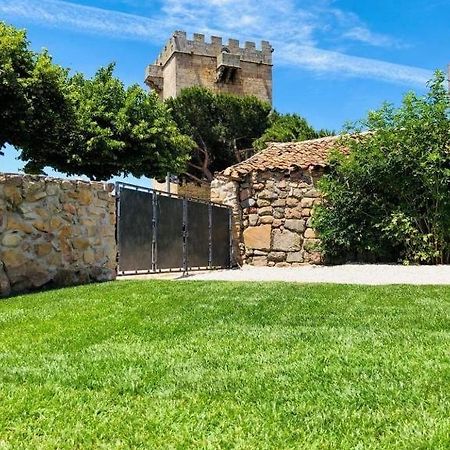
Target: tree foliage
pixel 223 127
pixel 95 127
pixel 389 199
pixel 123 130
pixel 288 128
pixel 115 130
pixel 35 110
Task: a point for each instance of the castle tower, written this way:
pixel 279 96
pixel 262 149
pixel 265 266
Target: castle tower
pixel 217 66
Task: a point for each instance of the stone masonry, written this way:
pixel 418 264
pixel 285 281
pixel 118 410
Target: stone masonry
pixel 273 194
pixel 55 232
pixel 220 67
pixel 272 215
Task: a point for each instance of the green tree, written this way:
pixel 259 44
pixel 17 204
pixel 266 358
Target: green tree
pixel 223 127
pixel 120 130
pixel 288 128
pixel 389 199
pixel 35 112
pixel 94 127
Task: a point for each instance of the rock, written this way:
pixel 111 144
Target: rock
pixel 259 253
pixel 286 240
pixel 244 194
pixel 276 256
pixel 38 275
pixel 312 193
pixel 293 213
pixel 294 257
pixel 89 256
pixel 292 202
pixel 80 243
pixel 277 223
pixel 261 202
pixel 12 180
pixel 249 202
pixel 43 249
pixel 15 223
pixel 36 196
pixel 259 261
pixel 310 233
pixel 56 223
pixel 279 202
pixel 298 193
pixel 11 239
pixel 278 213
pixel 253 219
pixel 5 286
pixel 266 219
pixel 52 189
pixel 27 212
pixel 13 194
pixel 268 194
pixel 65 277
pixel 306 202
pixel 104 195
pixel 257 237
pixel 265 211
pixel 306 212
pixel 315 258
pixel 40 225
pixel 69 208
pixel 12 258
pixel 294 225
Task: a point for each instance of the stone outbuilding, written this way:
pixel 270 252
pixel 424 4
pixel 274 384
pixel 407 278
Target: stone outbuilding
pixel 273 194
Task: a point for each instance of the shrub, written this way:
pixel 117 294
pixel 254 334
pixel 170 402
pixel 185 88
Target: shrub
pixel 389 198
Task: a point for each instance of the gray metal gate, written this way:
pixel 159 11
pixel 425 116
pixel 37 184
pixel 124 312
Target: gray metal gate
pixel 157 231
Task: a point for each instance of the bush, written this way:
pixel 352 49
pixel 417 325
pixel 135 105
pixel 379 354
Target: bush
pixel 388 200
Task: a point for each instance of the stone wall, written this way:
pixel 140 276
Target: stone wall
pixel 198 70
pixel 55 232
pixel 226 192
pixel 273 216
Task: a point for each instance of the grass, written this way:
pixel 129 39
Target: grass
pixel 226 365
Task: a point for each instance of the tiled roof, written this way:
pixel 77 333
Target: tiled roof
pixel 287 156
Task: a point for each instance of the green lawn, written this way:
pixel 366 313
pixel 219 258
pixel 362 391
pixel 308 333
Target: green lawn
pixel 226 365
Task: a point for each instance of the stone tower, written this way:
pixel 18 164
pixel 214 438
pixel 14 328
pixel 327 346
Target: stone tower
pixel 214 65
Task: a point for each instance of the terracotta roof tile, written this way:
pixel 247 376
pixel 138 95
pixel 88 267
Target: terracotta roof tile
pixel 288 156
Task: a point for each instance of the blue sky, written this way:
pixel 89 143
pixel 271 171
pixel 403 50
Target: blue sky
pixel 334 60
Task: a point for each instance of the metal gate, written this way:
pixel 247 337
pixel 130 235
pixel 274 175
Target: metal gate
pixel 158 231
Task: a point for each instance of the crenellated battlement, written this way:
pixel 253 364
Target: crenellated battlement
pixel 179 43
pixel 221 66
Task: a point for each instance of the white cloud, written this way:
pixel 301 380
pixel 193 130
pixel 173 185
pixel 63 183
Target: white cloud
pixel 325 61
pixel 296 29
pixel 86 18
pixel 362 34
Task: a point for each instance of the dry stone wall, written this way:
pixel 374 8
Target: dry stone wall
pixel 55 232
pixel 273 216
pixel 226 192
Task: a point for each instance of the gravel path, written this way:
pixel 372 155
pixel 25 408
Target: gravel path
pixel 344 274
